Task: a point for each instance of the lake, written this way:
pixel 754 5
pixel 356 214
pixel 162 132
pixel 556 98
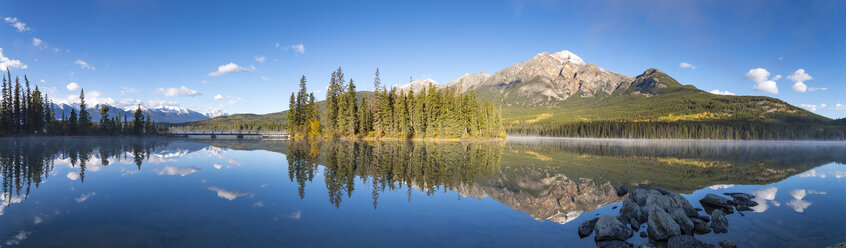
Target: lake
pixel 523 192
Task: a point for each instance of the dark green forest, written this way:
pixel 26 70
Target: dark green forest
pixel 430 113
pixel 26 112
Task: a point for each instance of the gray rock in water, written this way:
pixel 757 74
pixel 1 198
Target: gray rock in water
pixel 647 245
pixel 622 190
pixel 586 228
pixel 638 196
pixel 663 191
pixel 729 244
pixel 700 226
pixel 685 205
pixel 717 202
pixel 642 234
pixel 742 196
pixel 685 241
pixel 840 245
pixel 610 228
pixel 719 222
pixel 662 201
pixel 613 244
pixel 631 211
pixel 685 224
pixel 703 218
pixel 661 225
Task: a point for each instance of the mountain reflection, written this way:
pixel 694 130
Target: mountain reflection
pixel 547 179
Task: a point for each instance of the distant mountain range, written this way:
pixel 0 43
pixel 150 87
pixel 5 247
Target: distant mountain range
pixel 550 90
pixel 162 114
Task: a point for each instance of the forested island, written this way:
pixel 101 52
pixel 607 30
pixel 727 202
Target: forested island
pixel 430 113
pixel 26 112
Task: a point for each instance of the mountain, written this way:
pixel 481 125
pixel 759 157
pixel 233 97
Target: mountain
pixel 551 94
pixel 163 114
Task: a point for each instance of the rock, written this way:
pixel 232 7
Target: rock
pixel 663 191
pixel 729 244
pixel 642 234
pixel 717 202
pixel 719 222
pixel 613 244
pixel 697 209
pixel 631 211
pixel 622 190
pixel 610 228
pixel 689 211
pixel 662 201
pixel 587 227
pixel 647 245
pixel 743 196
pixel 685 224
pixel 700 226
pixel 704 218
pixel 840 245
pixel 638 196
pixel 685 241
pixel 661 225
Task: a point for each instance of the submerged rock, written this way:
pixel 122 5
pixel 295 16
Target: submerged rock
pixel 717 202
pixel 642 234
pixel 719 222
pixel 661 225
pixel 729 244
pixel 586 228
pixel 613 244
pixel 743 196
pixel 700 226
pixel 610 228
pixel 622 190
pixel 685 241
pixel 742 201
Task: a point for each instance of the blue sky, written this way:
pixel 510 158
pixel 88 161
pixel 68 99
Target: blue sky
pixel 179 52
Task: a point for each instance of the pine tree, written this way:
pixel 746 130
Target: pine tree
pixel 291 116
pixel 104 119
pixel 26 107
pixel 16 116
pixel 84 117
pixel 149 126
pixel 4 107
pixel 351 110
pixel 138 121
pixel 376 106
pixel 365 122
pixel 72 122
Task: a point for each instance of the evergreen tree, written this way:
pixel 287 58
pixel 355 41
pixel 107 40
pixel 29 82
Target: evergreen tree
pixel 138 121
pixel 72 122
pixel 16 116
pixel 104 119
pixel 4 108
pixel 350 110
pixel 291 116
pixel 84 117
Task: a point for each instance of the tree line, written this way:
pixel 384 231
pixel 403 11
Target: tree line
pixel 720 129
pixel 432 112
pixel 31 113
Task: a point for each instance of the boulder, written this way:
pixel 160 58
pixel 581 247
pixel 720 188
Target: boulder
pixel 719 222
pixel 689 211
pixel 638 195
pixel 743 196
pixel 622 190
pixel 727 244
pixel 663 191
pixel 613 244
pixel 685 241
pixel 661 225
pixel 717 202
pixel 610 228
pixel 586 228
pixel 662 201
pixel 685 224
pixel 643 234
pixel 700 226
pixel 704 218
pixel 631 211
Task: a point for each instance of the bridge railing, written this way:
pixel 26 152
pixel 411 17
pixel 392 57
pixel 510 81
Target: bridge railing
pixel 215 132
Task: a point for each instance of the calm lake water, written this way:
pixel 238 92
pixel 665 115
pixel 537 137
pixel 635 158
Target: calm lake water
pixel 519 193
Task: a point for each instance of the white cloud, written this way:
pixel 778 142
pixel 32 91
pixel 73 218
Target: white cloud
pixel 217 166
pixel 84 65
pixel 6 62
pixel 817 89
pixel 227 194
pixel 296 215
pixel 73 176
pixel 777 77
pixel 84 197
pixel 125 90
pixel 721 186
pixel 20 26
pixel 799 77
pixel 258 204
pixel 37 42
pixel 174 170
pixel 687 65
pixel 72 86
pixel 265 78
pixel 20 237
pixel 37 220
pixel 762 196
pixel 759 76
pixel 181 91
pixel 204 82
pixel 235 101
pixel 839 107
pixel 298 48
pixel 218 97
pixel 718 92
pixel 812 107
pixel 228 68
pixel 798 204
pixel 260 58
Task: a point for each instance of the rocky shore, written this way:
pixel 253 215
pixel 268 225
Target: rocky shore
pixel 671 221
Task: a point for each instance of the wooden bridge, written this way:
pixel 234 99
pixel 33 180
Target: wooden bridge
pixel 232 134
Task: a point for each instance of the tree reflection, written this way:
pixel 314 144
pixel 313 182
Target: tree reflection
pixel 390 165
pixel 25 163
